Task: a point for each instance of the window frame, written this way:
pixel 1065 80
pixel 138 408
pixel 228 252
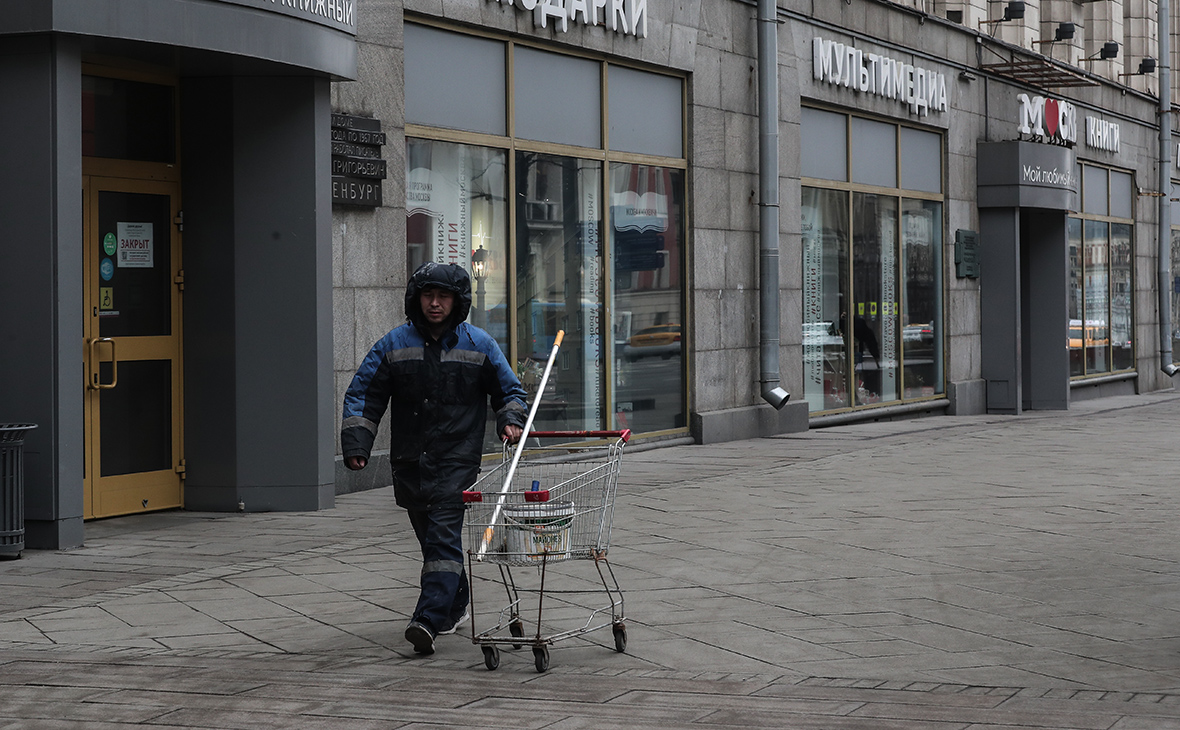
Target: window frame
pixel 900 195
pixel 511 145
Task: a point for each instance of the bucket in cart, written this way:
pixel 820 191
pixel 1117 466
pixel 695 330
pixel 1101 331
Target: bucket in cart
pixel 538 530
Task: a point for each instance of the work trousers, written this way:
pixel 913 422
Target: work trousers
pixel 444 581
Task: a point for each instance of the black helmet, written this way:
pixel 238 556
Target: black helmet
pixel 451 277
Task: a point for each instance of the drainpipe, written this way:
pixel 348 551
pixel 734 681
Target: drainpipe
pixel 768 306
pixel 1164 256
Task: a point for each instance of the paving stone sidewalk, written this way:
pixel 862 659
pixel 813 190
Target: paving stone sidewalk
pixel 952 572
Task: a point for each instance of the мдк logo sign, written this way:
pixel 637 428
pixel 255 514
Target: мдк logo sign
pixel 1051 120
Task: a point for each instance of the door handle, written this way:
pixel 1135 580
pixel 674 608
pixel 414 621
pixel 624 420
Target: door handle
pixel 94 384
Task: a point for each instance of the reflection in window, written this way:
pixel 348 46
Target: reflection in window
pixel 558 285
pixel 921 316
pixel 1077 354
pixel 874 298
pixel 872 262
pixel 1101 337
pixel 456 208
pixel 1175 294
pixel 1122 355
pixel 647 235
pixel 825 288
pixel 457 213
pixel 885 343
pixel 1095 306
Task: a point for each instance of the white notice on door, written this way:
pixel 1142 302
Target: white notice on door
pixel 135 245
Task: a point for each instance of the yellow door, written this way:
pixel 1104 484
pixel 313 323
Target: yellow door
pixel 131 338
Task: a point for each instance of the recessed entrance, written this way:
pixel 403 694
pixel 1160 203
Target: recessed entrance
pixel 131 296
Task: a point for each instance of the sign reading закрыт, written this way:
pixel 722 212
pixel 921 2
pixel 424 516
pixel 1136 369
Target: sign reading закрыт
pixel 628 17
pixel 339 14
pixel 923 90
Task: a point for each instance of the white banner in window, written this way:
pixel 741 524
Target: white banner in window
pixel 643 204
pixel 442 191
pixel 814 328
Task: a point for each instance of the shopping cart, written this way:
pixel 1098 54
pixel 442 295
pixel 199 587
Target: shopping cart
pixel 558 507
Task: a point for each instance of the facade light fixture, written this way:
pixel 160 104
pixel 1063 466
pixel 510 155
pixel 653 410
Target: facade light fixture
pixel 1014 10
pixel 1108 52
pixel 1063 32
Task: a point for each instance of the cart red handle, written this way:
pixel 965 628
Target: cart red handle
pixel 625 434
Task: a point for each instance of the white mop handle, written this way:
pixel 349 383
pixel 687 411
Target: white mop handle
pixel 528 425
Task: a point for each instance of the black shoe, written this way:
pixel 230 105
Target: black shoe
pixel 421 637
pixel 457 623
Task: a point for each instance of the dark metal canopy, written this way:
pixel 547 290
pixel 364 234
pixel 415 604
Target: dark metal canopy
pixel 1041 72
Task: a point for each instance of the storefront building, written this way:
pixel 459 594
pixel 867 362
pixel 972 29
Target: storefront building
pixel 967 213
pixel 165 191
pixel 966 222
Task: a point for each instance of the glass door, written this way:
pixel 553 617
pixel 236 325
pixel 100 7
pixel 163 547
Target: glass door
pixel 131 338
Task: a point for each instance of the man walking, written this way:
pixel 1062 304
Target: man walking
pixel 438 372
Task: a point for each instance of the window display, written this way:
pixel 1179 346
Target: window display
pixel 1101 329
pixel 558 286
pixel 597 237
pixel 872 262
pixel 647 234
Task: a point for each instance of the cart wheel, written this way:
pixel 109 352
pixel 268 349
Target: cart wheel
pixel 541 656
pixel 517 629
pixel 491 657
pixel 620 632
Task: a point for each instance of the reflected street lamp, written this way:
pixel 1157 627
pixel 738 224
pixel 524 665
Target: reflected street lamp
pixel 479 270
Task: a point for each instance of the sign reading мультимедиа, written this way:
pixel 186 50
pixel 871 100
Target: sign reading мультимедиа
pixel 338 14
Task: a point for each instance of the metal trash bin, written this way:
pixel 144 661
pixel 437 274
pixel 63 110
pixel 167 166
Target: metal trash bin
pixel 12 488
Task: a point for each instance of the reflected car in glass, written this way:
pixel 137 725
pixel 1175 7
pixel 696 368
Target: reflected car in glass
pixel 662 340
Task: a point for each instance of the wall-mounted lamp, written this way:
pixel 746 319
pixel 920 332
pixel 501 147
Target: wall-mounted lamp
pixel 1014 10
pixel 1109 50
pixel 1063 32
pixel 1146 66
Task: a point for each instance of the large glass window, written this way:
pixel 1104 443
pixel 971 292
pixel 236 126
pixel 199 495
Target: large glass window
pixel 457 213
pixel 558 286
pixel 597 235
pixel 647 235
pixel 825 290
pixel 1101 334
pixel 872 288
pixel 1175 289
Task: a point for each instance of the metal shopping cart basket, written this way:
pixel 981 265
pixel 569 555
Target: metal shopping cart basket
pixel 558 507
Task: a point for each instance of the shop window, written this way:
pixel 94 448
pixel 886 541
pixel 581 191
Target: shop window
pixel 1095 190
pixel 454 81
pixel 1175 289
pixel 559 286
pixel 1101 283
pixel 825 290
pixel 646 112
pixel 568 111
pixel 597 239
pixel 824 145
pixel 872 261
pixel 921 339
pixel 647 238
pixel 874 153
pixel 921 160
pixel 457 213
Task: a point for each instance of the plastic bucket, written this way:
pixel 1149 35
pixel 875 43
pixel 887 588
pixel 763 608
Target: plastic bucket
pixel 538 530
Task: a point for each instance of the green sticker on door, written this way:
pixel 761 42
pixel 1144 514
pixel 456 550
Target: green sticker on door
pixel 109 244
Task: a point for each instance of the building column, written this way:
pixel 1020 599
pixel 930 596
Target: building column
pixel 41 378
pixel 999 295
pixel 259 406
